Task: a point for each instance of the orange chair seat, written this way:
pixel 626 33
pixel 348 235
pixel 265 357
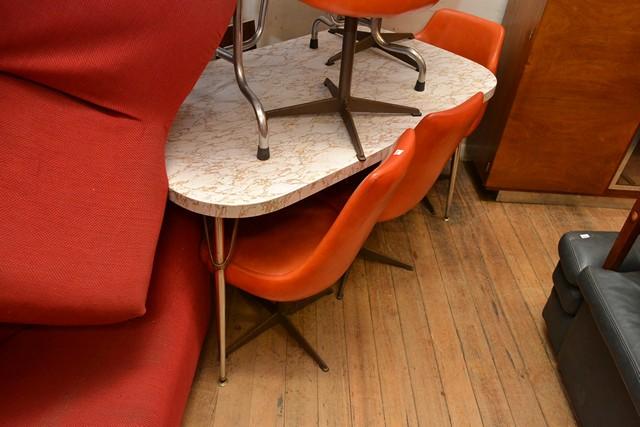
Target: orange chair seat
pixel 269 248
pixel 368 8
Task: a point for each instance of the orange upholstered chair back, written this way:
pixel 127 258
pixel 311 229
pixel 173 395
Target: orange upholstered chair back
pixel 469 36
pixel 340 246
pixel 437 136
pixel 474 38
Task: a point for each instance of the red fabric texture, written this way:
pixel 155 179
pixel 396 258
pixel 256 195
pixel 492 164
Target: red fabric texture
pixel 136 373
pixel 88 91
pixel 7 331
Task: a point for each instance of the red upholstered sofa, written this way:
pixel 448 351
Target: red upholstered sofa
pixel 104 302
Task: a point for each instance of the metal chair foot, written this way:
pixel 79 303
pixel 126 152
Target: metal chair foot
pixel 341 284
pixel 384 259
pixel 279 313
pixel 302 341
pixel 405 51
pixel 427 204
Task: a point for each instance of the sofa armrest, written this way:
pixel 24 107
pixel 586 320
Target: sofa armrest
pixel 626 238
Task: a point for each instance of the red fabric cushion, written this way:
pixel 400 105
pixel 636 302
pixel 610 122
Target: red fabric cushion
pixel 81 214
pixel 136 373
pixel 7 331
pixel 87 93
pixel 135 57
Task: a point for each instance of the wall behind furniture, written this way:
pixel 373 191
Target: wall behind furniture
pixel 413 22
pixel 287 19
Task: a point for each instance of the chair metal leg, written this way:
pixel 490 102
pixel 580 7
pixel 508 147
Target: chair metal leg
pixel 323 106
pixel 313 43
pixel 299 305
pixel 279 313
pixel 455 164
pixel 404 50
pixel 238 68
pixel 301 340
pixel 361 105
pixel 347 118
pixel 365 41
pixel 361 45
pixel 372 256
pixel 384 259
pixel 332 87
pixel 272 320
pixel 341 284
pixel 427 204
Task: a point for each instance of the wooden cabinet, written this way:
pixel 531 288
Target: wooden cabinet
pixel 567 104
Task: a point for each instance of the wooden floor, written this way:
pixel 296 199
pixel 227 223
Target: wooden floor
pixel 460 341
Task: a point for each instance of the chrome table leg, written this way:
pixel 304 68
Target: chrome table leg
pixel 218 263
pixel 221 299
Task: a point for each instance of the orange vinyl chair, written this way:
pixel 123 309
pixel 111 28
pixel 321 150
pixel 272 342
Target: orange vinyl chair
pixel 474 38
pixel 437 137
pixel 298 253
pixel 341 100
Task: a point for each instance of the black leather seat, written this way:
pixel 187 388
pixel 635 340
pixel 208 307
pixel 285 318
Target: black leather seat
pixel 578 250
pixel 614 300
pixel 600 355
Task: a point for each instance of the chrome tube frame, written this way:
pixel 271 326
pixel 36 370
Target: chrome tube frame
pixel 333 22
pixel 329 22
pixel 225 53
pixel 239 46
pixel 403 50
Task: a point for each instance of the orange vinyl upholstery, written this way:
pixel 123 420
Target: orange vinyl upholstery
pixel 302 250
pixel 369 8
pixel 469 36
pixel 437 136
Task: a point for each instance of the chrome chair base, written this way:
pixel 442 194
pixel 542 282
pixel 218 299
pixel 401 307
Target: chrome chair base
pixel 279 316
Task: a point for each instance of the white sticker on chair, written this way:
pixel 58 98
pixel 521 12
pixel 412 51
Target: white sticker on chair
pixel 584 236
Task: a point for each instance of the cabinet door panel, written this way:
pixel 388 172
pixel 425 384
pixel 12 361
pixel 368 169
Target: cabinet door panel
pixel 578 102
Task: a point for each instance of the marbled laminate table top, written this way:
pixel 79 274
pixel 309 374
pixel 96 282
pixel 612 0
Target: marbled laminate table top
pixel 211 153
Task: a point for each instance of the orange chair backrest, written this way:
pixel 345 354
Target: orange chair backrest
pixel 368 8
pixel 340 246
pixel 474 38
pixel 437 136
pixel 469 36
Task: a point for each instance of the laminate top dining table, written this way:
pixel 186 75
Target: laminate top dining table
pixel 210 153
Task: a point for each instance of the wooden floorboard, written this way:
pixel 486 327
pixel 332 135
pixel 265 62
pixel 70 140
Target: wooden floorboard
pixel 458 341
